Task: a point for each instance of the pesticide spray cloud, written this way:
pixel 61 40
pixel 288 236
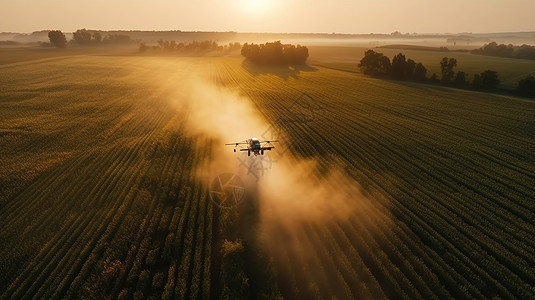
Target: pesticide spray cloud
pixel 220 116
pixel 292 195
pixel 292 185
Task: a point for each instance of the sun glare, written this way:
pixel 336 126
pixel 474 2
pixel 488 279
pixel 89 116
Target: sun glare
pixel 256 7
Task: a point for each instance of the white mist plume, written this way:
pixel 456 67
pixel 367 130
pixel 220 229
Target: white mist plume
pixel 292 197
pixel 292 186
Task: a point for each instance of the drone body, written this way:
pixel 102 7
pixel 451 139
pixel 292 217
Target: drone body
pixel 253 145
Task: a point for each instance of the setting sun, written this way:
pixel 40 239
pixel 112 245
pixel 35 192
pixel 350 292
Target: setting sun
pixel 256 7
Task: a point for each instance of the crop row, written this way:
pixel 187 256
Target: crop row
pixel 444 235
pixel 103 222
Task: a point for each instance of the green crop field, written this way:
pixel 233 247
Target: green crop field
pixel 510 70
pixel 387 190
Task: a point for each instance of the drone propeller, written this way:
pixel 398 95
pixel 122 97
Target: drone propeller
pixel 236 144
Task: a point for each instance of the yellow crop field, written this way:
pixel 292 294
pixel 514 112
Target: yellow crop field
pixel 375 189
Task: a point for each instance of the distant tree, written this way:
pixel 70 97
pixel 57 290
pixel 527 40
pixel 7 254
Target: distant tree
pixel 57 39
pixel 271 53
pixel 172 46
pixel 433 78
pixel 490 79
pixel 410 67
pixel 502 50
pixel 86 37
pixel 116 39
pixel 143 47
pixel 194 47
pixel 377 64
pixel 476 81
pixel 461 79
pixel 82 37
pixel 525 52
pixel 234 46
pixel 494 49
pixel 301 55
pixel 486 80
pixel 526 87
pixel 275 53
pixel 398 67
pixel 289 53
pixel 420 72
pixel 374 63
pixel 163 44
pixel 401 68
pixel 97 38
pixel 251 51
pixel 446 68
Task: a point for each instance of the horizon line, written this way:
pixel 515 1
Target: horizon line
pixel 253 32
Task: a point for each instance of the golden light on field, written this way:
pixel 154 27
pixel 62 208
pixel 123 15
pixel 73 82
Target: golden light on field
pixel 123 173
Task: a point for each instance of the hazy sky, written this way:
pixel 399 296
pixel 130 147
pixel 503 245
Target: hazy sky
pixel 342 16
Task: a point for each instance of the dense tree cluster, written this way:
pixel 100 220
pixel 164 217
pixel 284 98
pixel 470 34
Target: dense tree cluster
pixel 374 63
pixel 116 39
pixel 526 86
pixel 487 80
pixel 461 79
pixel 446 68
pixel 377 64
pixel 275 53
pixel 193 47
pixel 57 39
pixel 407 69
pixel 86 37
pixel 502 50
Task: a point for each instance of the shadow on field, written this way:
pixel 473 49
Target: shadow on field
pixel 284 72
pixel 242 224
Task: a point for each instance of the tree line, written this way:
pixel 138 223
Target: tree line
pixel 275 53
pixel 510 51
pixel 379 65
pixel 84 37
pixel 192 47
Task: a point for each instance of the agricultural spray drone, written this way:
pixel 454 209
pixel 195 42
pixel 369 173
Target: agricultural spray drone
pixel 253 145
